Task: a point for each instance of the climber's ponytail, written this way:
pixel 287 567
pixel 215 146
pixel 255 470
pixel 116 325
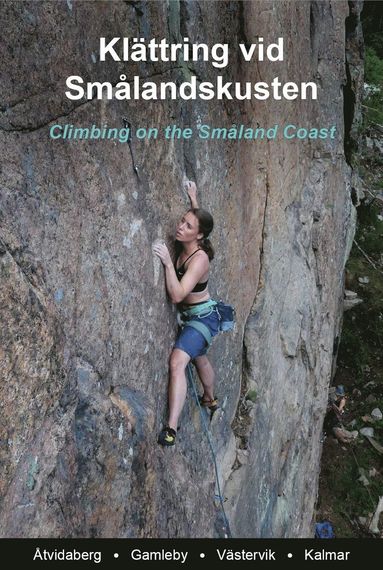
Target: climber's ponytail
pixel 206 225
pixel 205 244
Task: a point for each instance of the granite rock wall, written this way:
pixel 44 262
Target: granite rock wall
pixel 86 325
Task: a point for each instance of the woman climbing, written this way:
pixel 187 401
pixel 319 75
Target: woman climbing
pixel 186 284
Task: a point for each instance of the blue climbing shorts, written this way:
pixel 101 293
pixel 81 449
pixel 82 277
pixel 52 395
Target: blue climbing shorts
pixel 192 341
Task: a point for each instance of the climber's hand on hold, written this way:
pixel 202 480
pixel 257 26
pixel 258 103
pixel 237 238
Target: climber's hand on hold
pixel 191 189
pixel 162 251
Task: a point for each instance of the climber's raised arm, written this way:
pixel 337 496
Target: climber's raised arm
pixel 191 189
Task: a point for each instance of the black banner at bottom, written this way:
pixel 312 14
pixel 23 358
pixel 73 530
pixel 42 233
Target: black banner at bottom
pixel 188 553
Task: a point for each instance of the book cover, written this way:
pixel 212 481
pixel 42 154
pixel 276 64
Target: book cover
pixel 117 117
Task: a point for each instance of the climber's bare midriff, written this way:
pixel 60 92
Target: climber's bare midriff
pixel 197 297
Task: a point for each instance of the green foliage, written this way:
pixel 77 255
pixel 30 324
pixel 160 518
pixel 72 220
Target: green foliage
pixel 373 70
pixel 351 495
pixel 360 363
pixel 372 22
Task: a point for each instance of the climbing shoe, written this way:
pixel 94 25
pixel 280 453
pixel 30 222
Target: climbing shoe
pixel 167 436
pixel 211 404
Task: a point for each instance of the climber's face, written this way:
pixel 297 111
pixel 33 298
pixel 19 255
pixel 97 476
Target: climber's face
pixel 188 228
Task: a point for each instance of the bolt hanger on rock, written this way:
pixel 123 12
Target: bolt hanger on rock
pixel 128 125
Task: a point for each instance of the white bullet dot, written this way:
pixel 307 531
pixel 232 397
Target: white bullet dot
pixel 289 555
pixel 202 555
pixel 116 555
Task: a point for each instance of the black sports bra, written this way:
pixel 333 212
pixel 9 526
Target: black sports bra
pixel 180 272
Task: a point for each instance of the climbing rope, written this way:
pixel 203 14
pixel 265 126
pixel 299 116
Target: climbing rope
pixel 206 429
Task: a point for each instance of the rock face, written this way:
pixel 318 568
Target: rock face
pixel 87 328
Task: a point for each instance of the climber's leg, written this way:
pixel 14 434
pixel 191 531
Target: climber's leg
pixel 206 375
pixel 177 385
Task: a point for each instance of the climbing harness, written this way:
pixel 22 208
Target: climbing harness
pixel 206 429
pixel 128 125
pixel 225 313
pixel 200 327
pixel 198 309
